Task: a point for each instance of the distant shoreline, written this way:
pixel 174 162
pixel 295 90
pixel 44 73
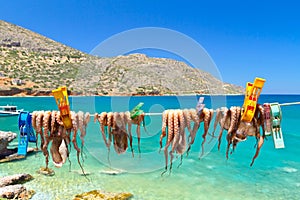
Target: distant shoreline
pixel 143 95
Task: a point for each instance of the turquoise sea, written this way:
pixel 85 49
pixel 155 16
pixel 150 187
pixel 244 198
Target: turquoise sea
pixel 274 175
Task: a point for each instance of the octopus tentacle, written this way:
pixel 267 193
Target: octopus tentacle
pixel 127 120
pixel 259 145
pixel 232 128
pixel 33 122
pixel 176 136
pixel 53 121
pixel 102 118
pixel 83 120
pixel 80 116
pixel 164 127
pixel 224 123
pixel 46 126
pixel 169 138
pixel 261 118
pixel 208 114
pixel 138 120
pixel 233 134
pixel 75 122
pixel 110 119
pixel 39 125
pixel 182 140
pixel 217 120
pixel 115 129
pixel 257 122
pixel 58 118
pixel 195 118
pixel 187 119
pixel 33 119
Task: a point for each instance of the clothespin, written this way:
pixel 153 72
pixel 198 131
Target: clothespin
pixel 200 105
pixel 268 120
pixel 136 111
pixel 25 126
pixel 251 96
pixel 276 125
pixel 61 97
pixel 26 132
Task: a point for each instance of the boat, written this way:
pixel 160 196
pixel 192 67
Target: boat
pixel 9 111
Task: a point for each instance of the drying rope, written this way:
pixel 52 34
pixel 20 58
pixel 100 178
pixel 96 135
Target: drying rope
pixel 290 104
pixel 282 104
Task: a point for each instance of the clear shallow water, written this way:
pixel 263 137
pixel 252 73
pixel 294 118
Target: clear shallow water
pixel 274 175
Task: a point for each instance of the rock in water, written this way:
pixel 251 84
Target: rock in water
pixel 46 171
pixel 15 179
pixel 5 139
pixel 11 188
pixel 98 195
pixel 15 192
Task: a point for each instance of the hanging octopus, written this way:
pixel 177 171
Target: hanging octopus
pixel 238 130
pixel 173 127
pixel 51 130
pixel 118 126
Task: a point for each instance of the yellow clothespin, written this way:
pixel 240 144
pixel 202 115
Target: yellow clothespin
pixel 252 93
pixel 61 97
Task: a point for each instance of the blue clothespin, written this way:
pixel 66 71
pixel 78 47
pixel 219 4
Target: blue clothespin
pixel 25 126
pixel 200 105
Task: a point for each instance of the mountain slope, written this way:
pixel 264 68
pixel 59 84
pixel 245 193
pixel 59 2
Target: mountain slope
pixel 38 64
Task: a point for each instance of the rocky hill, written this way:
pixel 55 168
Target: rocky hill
pixel 33 64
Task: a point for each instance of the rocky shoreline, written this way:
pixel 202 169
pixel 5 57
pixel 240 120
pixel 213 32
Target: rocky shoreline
pixel 27 92
pixel 23 92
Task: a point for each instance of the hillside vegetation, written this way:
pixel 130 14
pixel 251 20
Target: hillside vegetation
pixel 34 64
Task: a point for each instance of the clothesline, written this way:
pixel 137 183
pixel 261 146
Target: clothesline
pixel 282 104
pixel 289 104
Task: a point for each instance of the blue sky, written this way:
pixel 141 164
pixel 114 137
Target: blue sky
pixel 246 39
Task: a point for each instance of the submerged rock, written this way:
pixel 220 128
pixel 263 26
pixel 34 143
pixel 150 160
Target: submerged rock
pixel 15 179
pixel 97 195
pixel 16 192
pixel 11 188
pixel 46 171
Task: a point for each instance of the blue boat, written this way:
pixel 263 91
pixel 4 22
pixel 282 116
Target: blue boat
pixel 8 110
